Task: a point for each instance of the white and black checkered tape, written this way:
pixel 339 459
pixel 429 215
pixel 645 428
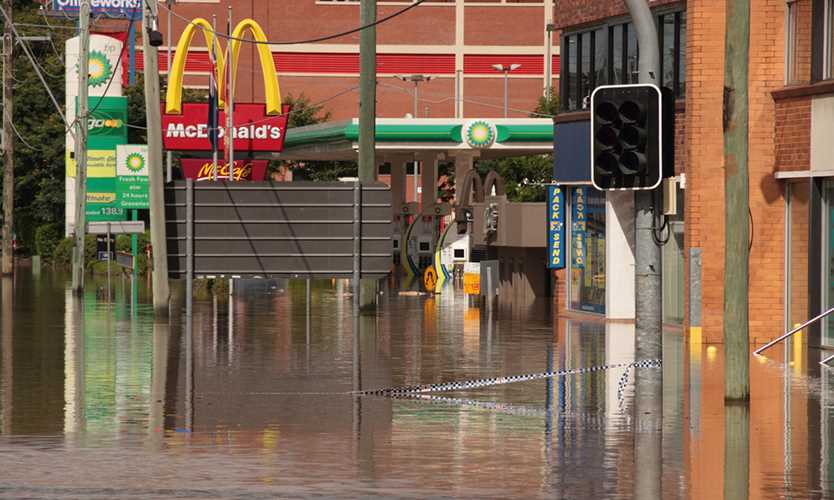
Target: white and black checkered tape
pixel 465 385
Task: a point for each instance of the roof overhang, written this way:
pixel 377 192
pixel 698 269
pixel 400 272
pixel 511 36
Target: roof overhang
pixel 400 137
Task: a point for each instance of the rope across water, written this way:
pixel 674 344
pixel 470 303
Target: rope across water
pixel 465 385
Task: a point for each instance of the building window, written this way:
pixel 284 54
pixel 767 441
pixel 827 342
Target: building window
pixel 791 14
pixel 587 250
pixel 822 51
pixel 608 55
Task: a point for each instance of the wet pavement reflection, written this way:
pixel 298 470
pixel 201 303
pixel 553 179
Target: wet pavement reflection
pixel 99 400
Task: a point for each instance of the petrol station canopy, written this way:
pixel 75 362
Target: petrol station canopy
pixel 489 138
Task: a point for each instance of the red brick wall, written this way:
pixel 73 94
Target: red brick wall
pixel 793 134
pixel 571 13
pixel 703 154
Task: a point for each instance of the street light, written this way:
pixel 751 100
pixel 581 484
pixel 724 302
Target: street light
pixel 416 80
pixel 506 70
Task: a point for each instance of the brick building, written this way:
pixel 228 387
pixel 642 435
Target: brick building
pixel 791 157
pixel 456 42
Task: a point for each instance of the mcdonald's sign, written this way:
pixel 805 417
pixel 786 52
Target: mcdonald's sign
pixel 257 127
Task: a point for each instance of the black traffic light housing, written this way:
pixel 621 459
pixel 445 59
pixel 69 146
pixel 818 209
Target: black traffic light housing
pixel 632 143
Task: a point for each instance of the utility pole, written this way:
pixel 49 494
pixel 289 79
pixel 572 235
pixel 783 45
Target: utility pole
pixel 737 203
pixel 161 291
pixel 169 174
pixel 367 120
pixel 648 401
pixel 8 141
pixel 81 124
pixel 230 101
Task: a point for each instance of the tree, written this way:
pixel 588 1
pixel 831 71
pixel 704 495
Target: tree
pixel 303 114
pixel 526 177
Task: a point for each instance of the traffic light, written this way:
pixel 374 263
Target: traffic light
pixel 632 146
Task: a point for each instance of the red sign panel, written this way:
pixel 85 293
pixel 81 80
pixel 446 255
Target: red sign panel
pixel 203 170
pixel 253 129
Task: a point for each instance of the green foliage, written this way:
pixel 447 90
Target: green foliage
pixel 62 255
pixel 39 161
pixel 526 177
pixel 303 114
pixel 47 237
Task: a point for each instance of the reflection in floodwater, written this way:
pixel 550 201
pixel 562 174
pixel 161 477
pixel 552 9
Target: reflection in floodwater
pixel 250 394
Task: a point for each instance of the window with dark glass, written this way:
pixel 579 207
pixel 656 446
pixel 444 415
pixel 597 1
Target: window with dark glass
pixel 608 55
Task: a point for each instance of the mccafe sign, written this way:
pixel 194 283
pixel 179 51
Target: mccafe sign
pixel 203 170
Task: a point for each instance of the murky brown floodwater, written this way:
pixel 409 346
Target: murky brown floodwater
pixel 98 401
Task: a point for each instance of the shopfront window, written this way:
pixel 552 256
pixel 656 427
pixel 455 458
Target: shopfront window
pixel 798 196
pixel 587 250
pixel 828 260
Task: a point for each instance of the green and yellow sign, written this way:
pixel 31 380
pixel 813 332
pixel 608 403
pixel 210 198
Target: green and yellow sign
pixel 132 176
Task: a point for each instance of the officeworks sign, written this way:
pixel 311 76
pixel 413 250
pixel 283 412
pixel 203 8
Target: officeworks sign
pixel 112 8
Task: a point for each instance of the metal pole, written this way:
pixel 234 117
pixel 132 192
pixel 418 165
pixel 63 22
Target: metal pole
pixel 357 245
pixel 737 203
pixel 214 153
pixel 81 124
pixel 457 92
pixel 367 123
pixel 161 291
pixel 134 244
pixel 8 140
pixel 648 403
pixel 108 262
pixel 230 101
pixel 169 174
pixel 416 98
pixel 189 303
pixel 548 61
pixel 189 246
pixel 506 93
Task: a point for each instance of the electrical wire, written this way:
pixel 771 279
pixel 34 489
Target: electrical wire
pixel 299 42
pixel 37 71
pixel 24 141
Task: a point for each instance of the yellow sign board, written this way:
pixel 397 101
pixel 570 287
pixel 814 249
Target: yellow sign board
pixel 430 279
pixel 472 283
pixel 100 163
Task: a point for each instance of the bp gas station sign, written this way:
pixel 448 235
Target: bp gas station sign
pixel 132 176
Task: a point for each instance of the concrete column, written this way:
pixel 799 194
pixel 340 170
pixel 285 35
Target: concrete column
pixel 464 162
pixel 398 188
pixel 428 167
pixel 619 255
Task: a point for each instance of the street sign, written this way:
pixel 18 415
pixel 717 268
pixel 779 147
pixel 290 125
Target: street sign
pixel 555 227
pixel 124 260
pixel 132 176
pixel 278 229
pixel 116 227
pixel 472 278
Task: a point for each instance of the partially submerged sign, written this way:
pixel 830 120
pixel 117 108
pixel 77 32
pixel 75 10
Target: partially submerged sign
pixel 278 229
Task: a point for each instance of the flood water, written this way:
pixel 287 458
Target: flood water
pixel 99 401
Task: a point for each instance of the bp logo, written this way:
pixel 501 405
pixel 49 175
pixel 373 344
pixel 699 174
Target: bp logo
pixel 100 69
pixel 135 162
pixel 479 134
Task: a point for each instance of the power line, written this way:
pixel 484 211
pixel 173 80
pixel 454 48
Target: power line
pixel 25 143
pixel 299 42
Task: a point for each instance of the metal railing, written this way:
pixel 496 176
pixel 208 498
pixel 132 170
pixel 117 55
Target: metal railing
pixel 758 352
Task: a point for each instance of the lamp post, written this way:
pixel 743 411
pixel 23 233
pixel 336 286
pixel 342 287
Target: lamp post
pixel 416 80
pixel 506 70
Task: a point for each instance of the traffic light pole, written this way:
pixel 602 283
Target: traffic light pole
pixel 648 402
